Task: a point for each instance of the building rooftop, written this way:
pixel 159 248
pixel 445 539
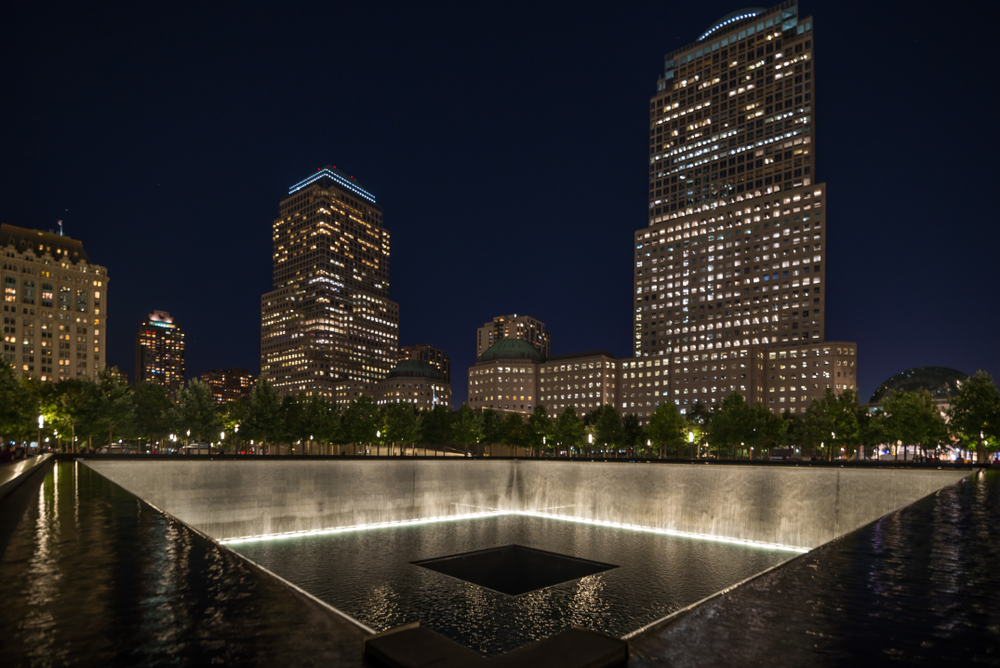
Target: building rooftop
pixel 511 349
pixel 340 178
pixel 416 369
pixel 39 243
pixel 940 381
pixel 589 353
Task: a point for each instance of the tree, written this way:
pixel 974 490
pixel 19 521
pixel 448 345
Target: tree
pixel 608 428
pixel 633 435
pixel 14 402
pixel 401 424
pixel 568 430
pixel 730 424
pixel 766 430
pixel 539 428
pixel 198 410
pixel 361 421
pixel 114 408
pixel 264 419
pixel 293 429
pixel 468 427
pixel 667 430
pixel 154 410
pixel 492 427
pixel 912 417
pixel 833 420
pixel 975 414
pixel 437 426
pixel 871 431
pixel 514 433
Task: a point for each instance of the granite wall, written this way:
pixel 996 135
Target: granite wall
pixel 795 506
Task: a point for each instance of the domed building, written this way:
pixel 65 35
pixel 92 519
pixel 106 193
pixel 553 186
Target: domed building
pixel 417 382
pixel 940 381
pixel 505 377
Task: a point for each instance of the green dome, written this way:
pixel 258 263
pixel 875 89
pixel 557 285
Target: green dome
pixel 416 369
pixel 512 349
pixel 940 381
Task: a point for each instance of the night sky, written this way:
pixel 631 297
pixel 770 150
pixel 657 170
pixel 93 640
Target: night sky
pixel 508 146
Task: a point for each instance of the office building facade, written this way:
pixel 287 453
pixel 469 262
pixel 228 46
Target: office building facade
pixel 328 322
pixel 414 381
pixel 55 306
pixel 514 326
pixel 159 352
pixel 229 384
pixel 428 353
pixel 730 273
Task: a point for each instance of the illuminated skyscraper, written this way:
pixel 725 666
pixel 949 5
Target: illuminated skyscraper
pixel 328 321
pixel 730 273
pixel 54 311
pixel 159 351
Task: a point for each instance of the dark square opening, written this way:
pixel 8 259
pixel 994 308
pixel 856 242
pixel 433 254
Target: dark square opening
pixel 514 569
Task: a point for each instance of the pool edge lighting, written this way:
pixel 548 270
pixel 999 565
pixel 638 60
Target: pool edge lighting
pixel 526 513
pixel 668 532
pixel 358 527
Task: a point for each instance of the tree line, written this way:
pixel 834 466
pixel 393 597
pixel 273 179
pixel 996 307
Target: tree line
pixel 78 414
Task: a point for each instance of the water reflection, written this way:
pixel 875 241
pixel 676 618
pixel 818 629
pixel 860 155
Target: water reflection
pixel 93 576
pixel 918 587
pixel 369 576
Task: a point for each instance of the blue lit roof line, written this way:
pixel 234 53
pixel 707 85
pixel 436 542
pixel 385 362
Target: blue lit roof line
pixel 336 177
pixel 726 20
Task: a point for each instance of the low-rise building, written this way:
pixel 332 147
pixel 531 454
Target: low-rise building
pixel 416 382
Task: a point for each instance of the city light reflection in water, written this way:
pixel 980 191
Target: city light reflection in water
pixel 368 575
pixel 918 587
pixel 91 575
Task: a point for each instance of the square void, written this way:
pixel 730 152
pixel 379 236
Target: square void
pixel 514 569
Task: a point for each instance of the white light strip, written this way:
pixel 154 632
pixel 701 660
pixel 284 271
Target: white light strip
pixel 336 177
pixel 526 513
pixel 359 527
pixel 668 532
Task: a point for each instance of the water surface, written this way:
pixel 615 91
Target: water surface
pixel 368 575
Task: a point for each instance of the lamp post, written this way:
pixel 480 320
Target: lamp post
pixel 590 443
pixel 41 423
pixel 222 441
pixel 236 437
pixel 691 441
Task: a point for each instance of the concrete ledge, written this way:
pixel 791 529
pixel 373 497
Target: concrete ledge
pixel 572 648
pixel 14 473
pixel 410 646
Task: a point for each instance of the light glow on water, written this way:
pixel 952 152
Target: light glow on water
pixel 527 513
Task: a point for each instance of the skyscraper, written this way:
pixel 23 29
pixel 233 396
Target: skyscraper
pixel 730 273
pixel 54 312
pixel 159 351
pixel 328 319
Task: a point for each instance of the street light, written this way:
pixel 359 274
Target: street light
pixel 41 423
pixel 691 441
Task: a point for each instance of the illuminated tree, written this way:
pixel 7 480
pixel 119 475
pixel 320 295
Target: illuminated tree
pixel 975 414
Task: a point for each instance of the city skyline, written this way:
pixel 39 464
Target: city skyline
pixel 520 145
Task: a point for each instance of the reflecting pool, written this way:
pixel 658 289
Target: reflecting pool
pixel 369 576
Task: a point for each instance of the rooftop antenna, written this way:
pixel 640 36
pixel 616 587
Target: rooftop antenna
pixel 60 227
